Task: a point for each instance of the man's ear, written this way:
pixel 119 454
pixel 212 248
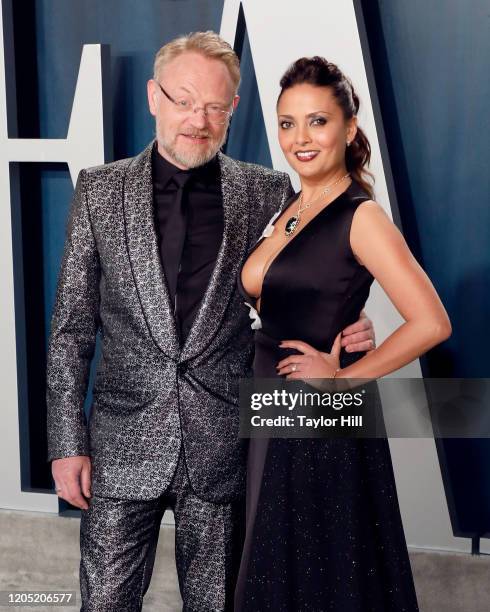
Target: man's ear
pixel 236 99
pixel 152 93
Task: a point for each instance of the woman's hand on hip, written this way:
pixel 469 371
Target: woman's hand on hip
pixel 310 363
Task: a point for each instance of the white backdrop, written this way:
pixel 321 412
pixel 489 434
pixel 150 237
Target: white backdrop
pixel 82 147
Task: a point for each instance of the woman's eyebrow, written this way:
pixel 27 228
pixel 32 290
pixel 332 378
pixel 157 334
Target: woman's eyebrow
pixel 317 112
pixel 308 115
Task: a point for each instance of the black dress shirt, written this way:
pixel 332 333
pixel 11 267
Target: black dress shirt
pixel 203 206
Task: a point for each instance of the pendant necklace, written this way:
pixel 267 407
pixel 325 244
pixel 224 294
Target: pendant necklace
pixel 293 222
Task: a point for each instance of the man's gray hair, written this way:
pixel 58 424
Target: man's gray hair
pixel 208 44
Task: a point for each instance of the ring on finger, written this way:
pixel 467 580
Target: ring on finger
pixel 294 367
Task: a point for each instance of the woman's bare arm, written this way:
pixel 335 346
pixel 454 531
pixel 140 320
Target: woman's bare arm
pixel 379 246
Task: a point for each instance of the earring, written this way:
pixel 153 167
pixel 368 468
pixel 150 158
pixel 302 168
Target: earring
pixel 348 143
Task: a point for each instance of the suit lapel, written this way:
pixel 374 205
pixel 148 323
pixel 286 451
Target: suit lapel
pixel 230 255
pixel 144 256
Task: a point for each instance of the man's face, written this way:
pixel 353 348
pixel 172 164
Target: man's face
pixel 187 138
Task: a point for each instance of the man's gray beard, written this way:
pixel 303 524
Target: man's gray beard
pixel 190 161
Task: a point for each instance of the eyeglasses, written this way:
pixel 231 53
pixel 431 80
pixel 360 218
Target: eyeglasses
pixel 185 104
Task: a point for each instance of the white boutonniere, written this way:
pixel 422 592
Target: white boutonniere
pixel 254 315
pixel 269 228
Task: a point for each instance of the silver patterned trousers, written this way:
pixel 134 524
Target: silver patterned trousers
pixel 118 540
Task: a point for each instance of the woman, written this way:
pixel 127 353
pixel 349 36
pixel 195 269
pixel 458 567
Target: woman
pixel 323 524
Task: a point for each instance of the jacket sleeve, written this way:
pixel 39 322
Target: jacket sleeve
pixel 288 190
pixel 74 328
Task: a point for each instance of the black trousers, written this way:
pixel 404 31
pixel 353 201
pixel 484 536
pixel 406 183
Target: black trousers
pixel 118 540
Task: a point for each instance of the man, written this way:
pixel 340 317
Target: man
pixel 153 249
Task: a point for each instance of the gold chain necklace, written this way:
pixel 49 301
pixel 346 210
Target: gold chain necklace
pixel 293 222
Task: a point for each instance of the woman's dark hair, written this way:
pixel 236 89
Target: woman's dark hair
pixel 321 73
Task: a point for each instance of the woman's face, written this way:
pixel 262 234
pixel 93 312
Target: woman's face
pixel 313 131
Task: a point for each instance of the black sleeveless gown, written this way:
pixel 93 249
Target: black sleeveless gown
pixel 324 530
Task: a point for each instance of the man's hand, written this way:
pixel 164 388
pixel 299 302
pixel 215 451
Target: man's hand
pixel 72 479
pixel 359 336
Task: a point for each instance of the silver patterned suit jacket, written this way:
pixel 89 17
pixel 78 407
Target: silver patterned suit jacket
pixel 152 396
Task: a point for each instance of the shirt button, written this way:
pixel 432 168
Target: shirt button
pixel 182 368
